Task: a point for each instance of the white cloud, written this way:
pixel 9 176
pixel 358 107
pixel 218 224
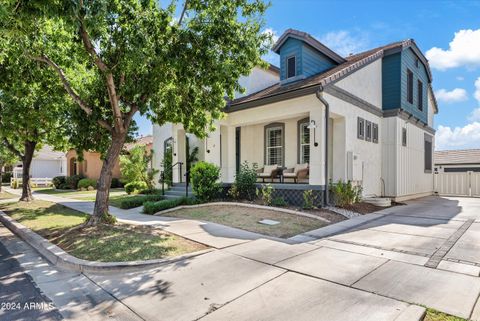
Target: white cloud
pixel 463 50
pixel 273 33
pixel 460 78
pixel 475 115
pixel 477 89
pixel 453 96
pixel 458 137
pixel 344 43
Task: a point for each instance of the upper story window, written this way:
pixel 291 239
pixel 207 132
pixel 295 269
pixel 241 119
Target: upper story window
pixel 409 86
pixel 416 63
pixel 368 131
pixel 404 137
pixel 420 95
pixel 360 128
pixel 291 67
pixel 375 133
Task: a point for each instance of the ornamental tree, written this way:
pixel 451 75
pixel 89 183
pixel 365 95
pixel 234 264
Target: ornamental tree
pixel 31 105
pixel 7 158
pixel 174 63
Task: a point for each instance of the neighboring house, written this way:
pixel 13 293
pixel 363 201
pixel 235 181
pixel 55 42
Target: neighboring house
pixel 367 118
pixel 457 161
pixel 92 163
pixel 46 163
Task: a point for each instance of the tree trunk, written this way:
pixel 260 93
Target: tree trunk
pixel 1 176
pixel 105 180
pixel 27 162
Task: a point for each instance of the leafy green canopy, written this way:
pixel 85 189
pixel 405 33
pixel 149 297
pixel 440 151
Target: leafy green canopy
pixel 117 57
pixel 31 102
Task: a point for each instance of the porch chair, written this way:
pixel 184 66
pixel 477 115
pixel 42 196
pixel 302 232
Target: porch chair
pixel 298 172
pixel 268 171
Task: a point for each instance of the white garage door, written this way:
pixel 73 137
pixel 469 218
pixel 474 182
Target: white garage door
pixel 458 184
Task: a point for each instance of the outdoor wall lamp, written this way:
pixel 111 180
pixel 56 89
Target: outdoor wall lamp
pixel 206 145
pixel 313 126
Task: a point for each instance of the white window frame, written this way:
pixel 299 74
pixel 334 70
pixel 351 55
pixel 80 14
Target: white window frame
pixel 268 148
pixel 303 144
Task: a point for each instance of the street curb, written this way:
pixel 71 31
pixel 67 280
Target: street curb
pixel 60 258
pixel 270 208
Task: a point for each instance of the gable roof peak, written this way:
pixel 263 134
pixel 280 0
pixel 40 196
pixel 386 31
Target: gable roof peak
pixel 310 40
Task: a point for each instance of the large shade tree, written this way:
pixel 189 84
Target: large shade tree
pixel 7 158
pixel 31 107
pixel 174 63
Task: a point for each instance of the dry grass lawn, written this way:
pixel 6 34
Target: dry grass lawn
pixel 247 219
pixel 105 243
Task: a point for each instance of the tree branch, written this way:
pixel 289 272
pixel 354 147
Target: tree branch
pixel 12 148
pixel 66 84
pixel 105 125
pixel 129 115
pixel 183 12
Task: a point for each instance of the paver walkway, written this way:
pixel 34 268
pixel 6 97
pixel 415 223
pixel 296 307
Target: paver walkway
pixel 368 268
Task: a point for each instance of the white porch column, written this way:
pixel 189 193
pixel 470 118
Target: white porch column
pixel 212 147
pixel 317 154
pixel 178 134
pixel 228 154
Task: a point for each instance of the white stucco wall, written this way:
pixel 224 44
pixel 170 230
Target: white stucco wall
pixel 403 166
pixel 257 80
pixel 367 166
pixel 365 83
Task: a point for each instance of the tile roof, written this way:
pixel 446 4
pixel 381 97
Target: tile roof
pixel 351 64
pixel 461 156
pixel 141 141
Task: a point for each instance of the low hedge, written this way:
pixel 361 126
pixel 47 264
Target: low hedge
pixel 135 187
pixel 86 182
pixel 59 182
pixel 139 200
pixel 154 207
pixel 150 191
pixel 71 182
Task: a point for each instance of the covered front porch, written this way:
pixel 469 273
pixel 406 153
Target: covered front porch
pixel 285 140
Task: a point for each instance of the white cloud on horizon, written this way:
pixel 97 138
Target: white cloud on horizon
pixel 458 137
pixel 463 50
pixel 477 90
pixel 344 42
pixel 272 57
pixel 452 96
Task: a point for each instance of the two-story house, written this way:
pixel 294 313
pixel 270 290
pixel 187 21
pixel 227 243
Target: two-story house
pixel 366 118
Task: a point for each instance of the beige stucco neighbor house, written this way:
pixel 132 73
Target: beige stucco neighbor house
pixel 367 118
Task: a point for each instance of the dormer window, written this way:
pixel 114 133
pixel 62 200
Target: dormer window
pixel 291 67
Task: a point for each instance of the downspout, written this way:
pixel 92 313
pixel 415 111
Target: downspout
pixel 319 94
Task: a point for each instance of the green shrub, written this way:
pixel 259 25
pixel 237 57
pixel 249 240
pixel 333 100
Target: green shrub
pixel 265 193
pixel 309 199
pixel 279 201
pixel 86 182
pixel 166 164
pixel 116 183
pixel 154 207
pixel 344 194
pixel 7 177
pixel 59 182
pixel 135 166
pixel 150 191
pixel 244 186
pixel 204 177
pixel 139 200
pixel 71 182
pixel 135 187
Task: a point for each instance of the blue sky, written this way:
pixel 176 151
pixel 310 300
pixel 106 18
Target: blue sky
pixel 448 32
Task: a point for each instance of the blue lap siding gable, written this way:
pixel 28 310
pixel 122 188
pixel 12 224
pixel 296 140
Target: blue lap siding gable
pixel 308 60
pixel 394 83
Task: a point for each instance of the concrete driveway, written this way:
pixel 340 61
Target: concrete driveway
pixel 376 267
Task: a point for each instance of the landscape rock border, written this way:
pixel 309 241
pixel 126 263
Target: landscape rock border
pixel 60 258
pixel 262 207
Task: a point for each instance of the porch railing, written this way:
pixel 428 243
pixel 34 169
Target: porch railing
pixel 162 174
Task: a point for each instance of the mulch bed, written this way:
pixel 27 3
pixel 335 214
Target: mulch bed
pixel 367 208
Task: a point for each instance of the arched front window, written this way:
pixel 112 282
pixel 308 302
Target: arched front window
pixel 303 141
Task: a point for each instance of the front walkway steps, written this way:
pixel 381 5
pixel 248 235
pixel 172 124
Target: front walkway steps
pixel 178 190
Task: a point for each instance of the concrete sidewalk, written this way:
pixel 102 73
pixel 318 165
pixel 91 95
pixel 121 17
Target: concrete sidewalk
pixel 374 267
